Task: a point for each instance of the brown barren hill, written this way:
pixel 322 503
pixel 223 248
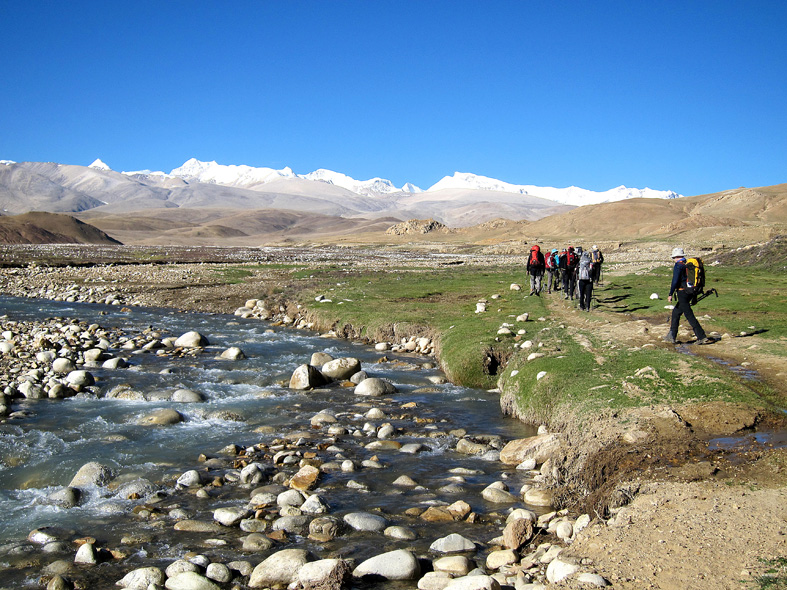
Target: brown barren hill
pixel 49 228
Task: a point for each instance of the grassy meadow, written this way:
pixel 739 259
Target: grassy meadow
pixel 587 366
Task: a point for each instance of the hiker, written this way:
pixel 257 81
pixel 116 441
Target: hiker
pixel 535 268
pixel 553 272
pixel 683 305
pixel 596 257
pixel 585 282
pixel 568 267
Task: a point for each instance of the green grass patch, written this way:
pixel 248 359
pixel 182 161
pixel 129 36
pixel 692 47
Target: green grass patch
pixel 747 297
pixel 232 275
pixel 440 301
pixel 591 376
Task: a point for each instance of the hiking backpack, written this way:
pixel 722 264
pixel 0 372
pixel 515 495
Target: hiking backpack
pixel 695 277
pixel 571 259
pixel 551 261
pixel 534 255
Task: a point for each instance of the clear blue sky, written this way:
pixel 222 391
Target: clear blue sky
pixel 687 96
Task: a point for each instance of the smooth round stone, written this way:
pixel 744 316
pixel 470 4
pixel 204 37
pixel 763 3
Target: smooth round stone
pixel 341 369
pixel 453 543
pixel 364 521
pixel 559 570
pixel 400 532
pixel 230 516
pixel 324 574
pixel 538 497
pixel 375 387
pixel 497 559
pixel 199 526
pixel 394 565
pixel 180 566
pixel 471 582
pixel 256 542
pixel 187 396
pixel 218 572
pixel 280 568
pixel 161 417
pixel 190 581
pixel 314 504
pixel 190 479
pixel 80 379
pixel 63 366
pixel 91 474
pixel 191 340
pixel 142 578
pixel 454 564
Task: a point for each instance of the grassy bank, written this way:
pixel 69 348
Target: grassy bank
pixel 589 360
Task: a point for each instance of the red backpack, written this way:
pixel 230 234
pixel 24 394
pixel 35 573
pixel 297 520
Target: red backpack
pixel 534 254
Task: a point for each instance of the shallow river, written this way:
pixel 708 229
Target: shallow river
pixel 41 452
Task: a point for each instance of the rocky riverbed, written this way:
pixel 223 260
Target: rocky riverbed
pixel 286 511
pixel 631 550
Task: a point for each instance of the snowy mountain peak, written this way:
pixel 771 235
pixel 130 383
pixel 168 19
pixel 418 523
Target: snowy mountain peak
pixel 364 187
pixel 99 165
pixel 232 175
pixel 568 196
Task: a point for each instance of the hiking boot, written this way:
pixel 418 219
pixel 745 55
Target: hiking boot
pixel 669 338
pixel 705 340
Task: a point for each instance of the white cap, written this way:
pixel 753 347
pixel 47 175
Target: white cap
pixel 595 247
pixel 677 253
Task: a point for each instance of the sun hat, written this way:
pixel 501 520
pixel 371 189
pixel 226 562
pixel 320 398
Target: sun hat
pixel 678 253
pixel 595 247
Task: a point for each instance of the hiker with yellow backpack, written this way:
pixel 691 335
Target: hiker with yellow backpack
pixel 688 279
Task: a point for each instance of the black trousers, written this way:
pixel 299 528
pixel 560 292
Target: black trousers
pixel 683 307
pixel 585 294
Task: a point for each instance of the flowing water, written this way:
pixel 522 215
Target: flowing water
pixel 40 452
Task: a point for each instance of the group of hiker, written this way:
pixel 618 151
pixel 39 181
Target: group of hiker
pixel 571 270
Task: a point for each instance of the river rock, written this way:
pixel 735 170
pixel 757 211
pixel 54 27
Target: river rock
pixel 191 340
pixel 92 474
pixel 190 479
pixel 233 353
pixel 318 359
pixel 453 543
pixel 364 521
pixel 79 379
pixel 434 581
pixel 186 396
pixel 325 574
pixel 307 377
pixel 86 554
pixel 190 581
pixel 497 559
pixel 538 497
pixel 324 528
pixel 180 566
pixel 114 363
pixel 540 447
pixel 31 391
pixel 592 580
pixel 314 504
pixel 375 387
pixel 230 516
pixel 66 497
pixel 161 417
pixel 458 565
pixel 63 366
pixel 341 369
pixel 218 572
pixel 497 496
pixel 256 542
pixel 142 578
pixel 400 532
pixel 564 530
pixel 558 570
pixel 290 498
pixel 471 582
pixel 280 568
pixel 290 524
pixel 517 533
pixel 394 565
pixel 306 478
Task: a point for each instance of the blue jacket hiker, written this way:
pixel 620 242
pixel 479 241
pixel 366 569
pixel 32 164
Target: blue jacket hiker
pixel 683 304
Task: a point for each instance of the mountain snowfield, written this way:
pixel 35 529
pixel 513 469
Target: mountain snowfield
pixel 242 176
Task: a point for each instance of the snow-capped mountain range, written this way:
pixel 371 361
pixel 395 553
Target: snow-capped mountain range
pixel 242 176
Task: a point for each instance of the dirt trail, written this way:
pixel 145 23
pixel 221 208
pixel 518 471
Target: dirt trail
pixel 698 518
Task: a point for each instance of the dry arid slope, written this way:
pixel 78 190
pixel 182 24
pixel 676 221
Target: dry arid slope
pixel 734 217
pixel 49 228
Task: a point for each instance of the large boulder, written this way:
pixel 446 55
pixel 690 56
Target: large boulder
pixel 325 574
pixel 141 578
pixel 375 387
pixel 307 377
pixel 540 447
pixel 394 565
pixel 91 474
pixel 341 369
pixel 191 340
pixel 280 568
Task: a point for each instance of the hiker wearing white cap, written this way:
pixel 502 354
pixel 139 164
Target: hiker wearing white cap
pixel 683 304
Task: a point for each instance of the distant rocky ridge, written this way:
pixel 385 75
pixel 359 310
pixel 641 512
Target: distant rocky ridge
pixel 49 228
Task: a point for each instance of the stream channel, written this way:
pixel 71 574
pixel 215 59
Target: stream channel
pixel 41 450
